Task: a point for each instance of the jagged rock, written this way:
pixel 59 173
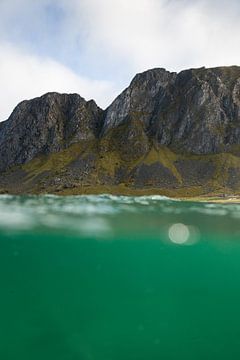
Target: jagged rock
pixel 140 99
pixel 196 111
pixel 47 124
pixel 165 131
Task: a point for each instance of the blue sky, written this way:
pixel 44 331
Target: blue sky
pixel 95 47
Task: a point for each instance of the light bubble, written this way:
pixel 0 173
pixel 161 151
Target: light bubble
pixel 179 233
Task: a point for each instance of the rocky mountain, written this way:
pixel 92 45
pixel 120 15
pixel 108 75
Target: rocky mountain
pixel 171 133
pixel 47 124
pixel 197 111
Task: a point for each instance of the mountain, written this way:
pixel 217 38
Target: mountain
pixel 47 124
pixel 170 133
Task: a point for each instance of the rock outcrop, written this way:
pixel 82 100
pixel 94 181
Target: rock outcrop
pixel 196 111
pixel 141 98
pixel 47 124
pixel 178 132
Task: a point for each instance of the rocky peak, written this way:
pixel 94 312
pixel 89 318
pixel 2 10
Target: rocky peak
pixel 140 98
pixel 47 124
pixel 196 111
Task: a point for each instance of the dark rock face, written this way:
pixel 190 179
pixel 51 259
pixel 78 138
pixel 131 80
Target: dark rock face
pixel 140 99
pixel 47 124
pixel 195 172
pixel 154 175
pixel 196 111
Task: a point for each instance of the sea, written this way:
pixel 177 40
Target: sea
pixel 118 278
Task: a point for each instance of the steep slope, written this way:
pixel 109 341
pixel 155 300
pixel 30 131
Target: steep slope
pixel 167 133
pixel 196 111
pixel 47 124
pixel 141 98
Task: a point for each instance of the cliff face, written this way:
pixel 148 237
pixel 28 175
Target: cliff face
pixel 141 98
pixel 165 132
pixel 195 111
pixel 45 125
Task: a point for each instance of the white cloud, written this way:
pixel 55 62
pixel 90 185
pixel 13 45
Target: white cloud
pixel 108 39
pixel 24 76
pixel 174 34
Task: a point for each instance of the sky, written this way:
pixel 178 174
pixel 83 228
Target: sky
pixel 95 47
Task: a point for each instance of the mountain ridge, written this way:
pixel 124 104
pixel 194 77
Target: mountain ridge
pixel 166 132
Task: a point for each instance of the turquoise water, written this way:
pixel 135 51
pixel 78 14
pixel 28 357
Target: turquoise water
pixel 118 278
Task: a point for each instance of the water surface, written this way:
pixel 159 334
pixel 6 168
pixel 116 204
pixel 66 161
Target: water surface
pixel 118 278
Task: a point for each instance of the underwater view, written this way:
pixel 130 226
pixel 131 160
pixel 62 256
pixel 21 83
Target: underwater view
pixel 118 278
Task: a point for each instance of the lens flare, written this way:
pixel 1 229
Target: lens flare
pixel 179 233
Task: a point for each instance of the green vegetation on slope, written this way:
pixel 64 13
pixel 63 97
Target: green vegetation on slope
pixel 61 173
